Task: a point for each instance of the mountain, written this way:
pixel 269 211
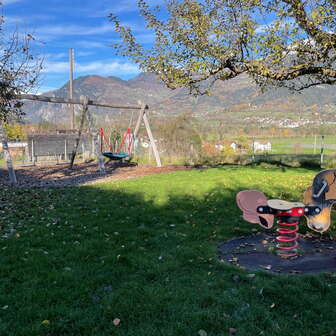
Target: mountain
pixel 237 95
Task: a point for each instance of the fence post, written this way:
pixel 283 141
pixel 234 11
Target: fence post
pixel 7 155
pixel 83 152
pixel 253 158
pixel 65 150
pixel 322 151
pixel 32 152
pixel 24 154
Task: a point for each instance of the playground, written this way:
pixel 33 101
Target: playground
pixel 124 249
pixel 140 257
pixel 98 245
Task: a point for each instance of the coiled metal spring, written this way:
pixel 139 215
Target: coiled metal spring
pixel 287 239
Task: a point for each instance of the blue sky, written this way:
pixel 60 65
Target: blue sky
pixel 59 25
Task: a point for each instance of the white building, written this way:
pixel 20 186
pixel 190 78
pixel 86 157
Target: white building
pixel 261 146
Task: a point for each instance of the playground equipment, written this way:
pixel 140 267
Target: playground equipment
pixel 125 148
pixel 118 152
pixel 127 142
pixel 85 102
pixel 318 201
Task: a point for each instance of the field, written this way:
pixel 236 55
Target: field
pixel 138 257
pixel 302 145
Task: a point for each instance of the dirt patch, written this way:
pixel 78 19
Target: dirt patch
pixel 316 255
pixel 81 174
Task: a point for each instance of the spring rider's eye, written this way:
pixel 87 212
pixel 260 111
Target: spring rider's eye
pixel 312 210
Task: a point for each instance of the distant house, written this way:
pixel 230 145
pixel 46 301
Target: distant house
pixel 225 144
pixel 235 146
pixel 261 147
pixel 219 147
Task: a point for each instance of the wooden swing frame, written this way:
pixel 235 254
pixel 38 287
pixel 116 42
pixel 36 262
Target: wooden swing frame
pixel 85 102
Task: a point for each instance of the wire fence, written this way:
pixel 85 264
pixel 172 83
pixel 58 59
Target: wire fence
pixel 314 151
pixel 48 148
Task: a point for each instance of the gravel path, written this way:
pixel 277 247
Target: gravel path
pixel 82 174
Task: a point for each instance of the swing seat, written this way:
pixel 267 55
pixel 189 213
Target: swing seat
pixel 116 156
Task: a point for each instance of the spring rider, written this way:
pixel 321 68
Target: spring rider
pixel 316 207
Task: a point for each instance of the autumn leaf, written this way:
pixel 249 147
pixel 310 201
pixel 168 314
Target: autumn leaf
pixel 116 321
pixel 251 275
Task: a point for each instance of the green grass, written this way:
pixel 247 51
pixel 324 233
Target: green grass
pixel 287 145
pixel 144 251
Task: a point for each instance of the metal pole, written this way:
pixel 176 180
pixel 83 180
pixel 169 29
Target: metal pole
pixel 322 150
pixel 71 92
pixel 253 148
pixel 65 150
pixel 32 152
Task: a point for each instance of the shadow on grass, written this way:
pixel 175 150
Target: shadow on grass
pixel 78 259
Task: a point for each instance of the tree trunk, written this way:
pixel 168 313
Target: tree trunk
pixel 7 156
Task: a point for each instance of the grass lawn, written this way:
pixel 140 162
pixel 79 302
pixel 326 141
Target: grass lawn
pixel 297 145
pixel 75 260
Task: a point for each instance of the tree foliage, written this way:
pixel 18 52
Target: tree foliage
pixel 181 137
pixel 288 43
pixel 19 70
pixel 14 131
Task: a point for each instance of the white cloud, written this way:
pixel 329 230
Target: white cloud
pixel 122 6
pixel 43 89
pixel 83 53
pixel 113 68
pixel 8 2
pixel 47 32
pixel 85 44
pixel 91 44
pixel 56 56
pixel 13 20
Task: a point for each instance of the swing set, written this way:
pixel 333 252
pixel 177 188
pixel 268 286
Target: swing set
pixel 128 138
pixel 124 150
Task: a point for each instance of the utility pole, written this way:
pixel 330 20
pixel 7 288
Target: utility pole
pixel 71 93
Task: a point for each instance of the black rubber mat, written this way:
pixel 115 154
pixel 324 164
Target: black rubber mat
pixel 258 252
